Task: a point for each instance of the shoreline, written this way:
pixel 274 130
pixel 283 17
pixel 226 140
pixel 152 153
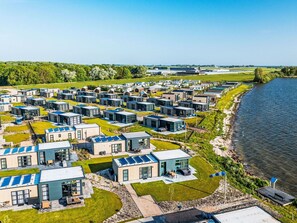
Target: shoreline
pixel 225 141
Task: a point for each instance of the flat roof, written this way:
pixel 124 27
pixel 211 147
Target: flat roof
pixel 246 215
pixel 54 145
pixel 184 108
pixel 67 173
pixel 135 135
pixel 171 154
pixel 18 150
pixel 85 126
pixel 172 119
pixel 125 113
pixel 69 114
pixel 19 181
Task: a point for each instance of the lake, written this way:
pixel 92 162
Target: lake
pixel 265 131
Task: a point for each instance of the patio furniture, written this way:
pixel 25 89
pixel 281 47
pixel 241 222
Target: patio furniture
pixel 50 162
pixel 73 200
pixel 45 204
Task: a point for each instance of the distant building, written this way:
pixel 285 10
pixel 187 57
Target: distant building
pixel 65 118
pixel 85 110
pixel 120 116
pixel 170 124
pixel 141 106
pixel 57 105
pixel 27 112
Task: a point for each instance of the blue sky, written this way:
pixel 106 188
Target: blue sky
pixel 259 32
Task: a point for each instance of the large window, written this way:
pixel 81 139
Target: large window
pixel 79 134
pixel 3 163
pixel 51 138
pixel 69 136
pixel 125 175
pixel 71 188
pixel 19 197
pixel 24 161
pixel 116 148
pixel 145 172
pixel 182 164
pixel 45 192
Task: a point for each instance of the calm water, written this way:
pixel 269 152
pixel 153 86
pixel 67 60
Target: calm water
pixel 265 131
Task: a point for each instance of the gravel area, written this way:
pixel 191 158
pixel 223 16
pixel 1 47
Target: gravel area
pixel 129 209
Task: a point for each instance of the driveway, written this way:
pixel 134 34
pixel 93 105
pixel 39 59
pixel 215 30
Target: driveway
pixel 146 204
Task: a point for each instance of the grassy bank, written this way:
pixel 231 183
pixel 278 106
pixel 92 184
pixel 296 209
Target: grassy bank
pixel 220 77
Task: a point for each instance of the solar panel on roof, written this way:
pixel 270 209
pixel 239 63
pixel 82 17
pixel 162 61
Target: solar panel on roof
pixel 109 138
pixel 145 158
pixel 56 130
pixel 15 150
pixel 123 161
pixel 115 138
pixel 67 128
pixel 130 160
pixel 50 130
pixel 6 182
pixel 97 140
pixel 16 180
pixel 6 151
pixel 29 148
pixel 138 159
pixel 27 179
pixel 22 149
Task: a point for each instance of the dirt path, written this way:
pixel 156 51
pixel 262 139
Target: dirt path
pixel 146 204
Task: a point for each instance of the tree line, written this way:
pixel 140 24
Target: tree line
pixel 19 73
pixel 262 77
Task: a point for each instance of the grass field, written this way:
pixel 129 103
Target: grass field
pixel 17 128
pixel 6 117
pixel 188 190
pixel 101 206
pixel 40 127
pixel 17 138
pixel 95 164
pixel 5 173
pixel 221 77
pixel 162 145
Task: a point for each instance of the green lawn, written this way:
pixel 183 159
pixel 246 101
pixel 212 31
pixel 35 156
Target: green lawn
pixel 95 164
pixel 16 128
pixel 106 128
pixel 203 78
pixel 17 138
pixel 188 190
pixel 43 111
pixel 101 206
pixel 6 117
pixel 162 145
pixel 40 126
pixel 5 173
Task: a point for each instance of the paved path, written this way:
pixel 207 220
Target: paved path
pixel 146 204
